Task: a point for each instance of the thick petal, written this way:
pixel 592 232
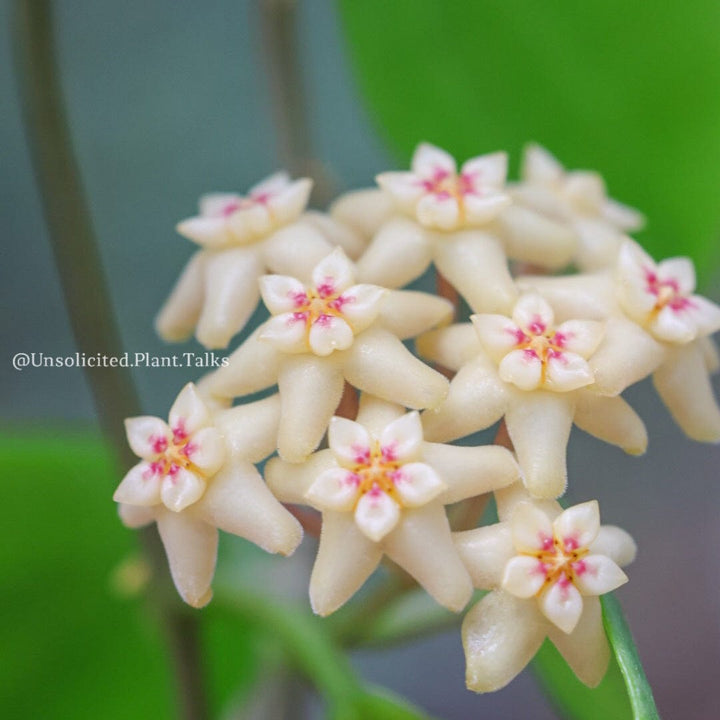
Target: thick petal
pixel 180 313
pixel 562 604
pixel 480 210
pixel 579 525
pixel 406 313
pixel 486 170
pixel 405 188
pixel 422 545
pixel 429 160
pixel 295 249
pixel 250 222
pixel 237 501
pixel 598 244
pixel 376 514
pixel 539 424
pixel 441 212
pixel 567 371
pixel 329 333
pixel 402 439
pixel 338 232
pixel 147 436
pixel 333 273
pixel 475 263
pixel 349 441
pixel 250 430
pixel 215 204
pixel 206 231
pixel 334 489
pixel 540 166
pixel 397 255
pixel 191 547
pixel 452 347
pixel 282 293
pixel 621 216
pixel 501 634
pixel 417 484
pixel 615 543
pixel 612 420
pixel 140 486
pixel 680 270
pixel 508 498
pixel 207 451
pixel 287 203
pixel 580 336
pixel 498 334
pixel 673 325
pixel 286 332
pixel 522 368
pixel 586 649
pixel 523 576
pixel 379 364
pixel 705 315
pixel 363 210
pixel 375 414
pixel 532 530
pixel 361 304
pixel 181 489
pixel 597 575
pixel 633 267
pixel 136 516
pixel 290 482
pixel 188 413
pixel 345 559
pixel 533 313
pixel 485 551
pixel 470 471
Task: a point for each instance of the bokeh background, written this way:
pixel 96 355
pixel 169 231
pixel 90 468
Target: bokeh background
pixel 167 100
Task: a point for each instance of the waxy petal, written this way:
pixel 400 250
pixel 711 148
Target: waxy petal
pixel 287 203
pixel 147 436
pixel 361 305
pixel 615 543
pixel 417 484
pixel 540 166
pixel 597 575
pixel 281 293
pixel 270 185
pixel 140 486
pixel 181 489
pixel 533 313
pixel 580 336
pixel 329 333
pixel 216 204
pixel 523 576
pixel 567 371
pixel 562 604
pixel 498 334
pixel 522 368
pixel 287 332
pixel 429 160
pixel 674 326
pixel 402 439
pixel 250 222
pixel 531 528
pixel 349 442
pixel 439 211
pixel 333 274
pixel 681 270
pixel 633 267
pixel 705 314
pixel 486 170
pixel 335 489
pixel 405 188
pixel 376 514
pixel 207 451
pixel 205 231
pixel 188 413
pixel 579 525
pixel 485 551
pixel 478 210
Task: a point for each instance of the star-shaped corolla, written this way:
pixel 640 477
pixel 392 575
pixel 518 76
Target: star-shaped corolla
pixel 381 490
pixel 196 476
pixel 329 330
pixel 535 375
pixel 243 237
pixel 580 199
pixel 545 568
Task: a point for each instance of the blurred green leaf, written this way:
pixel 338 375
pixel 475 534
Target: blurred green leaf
pixel 380 704
pixel 629 89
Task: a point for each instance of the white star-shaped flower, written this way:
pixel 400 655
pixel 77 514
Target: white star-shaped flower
pixel 545 568
pixel 381 490
pixel 196 476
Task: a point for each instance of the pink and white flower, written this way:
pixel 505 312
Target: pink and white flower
pixel 441 198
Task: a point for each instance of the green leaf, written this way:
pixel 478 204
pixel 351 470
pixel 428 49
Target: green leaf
pixel 381 704
pixel 594 82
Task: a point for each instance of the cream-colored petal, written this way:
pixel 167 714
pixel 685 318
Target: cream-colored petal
pixel 207 450
pixel 140 486
pixel 579 525
pixel 586 649
pixel 287 203
pixel 475 263
pixel 680 270
pixel 179 314
pixel 180 489
pixel 452 347
pixel 363 210
pixel 379 364
pixel 501 634
pixel 289 482
pixel 376 514
pixel 429 160
pixel 345 559
pixel 250 222
pixel 612 420
pixel 405 188
pixel 622 216
pixel 580 336
pixel 481 209
pixel 562 604
pixel 271 185
pixel 189 413
pixel 406 314
pixel 310 390
pixel 147 436
pixel 599 244
pixel 531 528
pixel 417 484
pixel 498 334
pixel 441 212
pixel 402 439
pixel 282 293
pixel 710 354
pixel 508 498
pixel 250 430
pixel 399 253
pixel 705 315
pixel 191 547
pixel 485 551
pixel 422 544
pixel 361 304
pixel 634 266
pixel 349 441
pixel 684 386
pixel 215 204
pixel 673 326
pixel 567 371
pixel 334 489
pixel 136 516
pixel 539 425
pixel 295 250
pixel 328 334
pixel 533 313
pixel 484 170
pixel 287 333
pixel 335 231
pixel 477 398
pixel 523 576
pixel 540 166
pixel 543 199
pixel 615 543
pixel 237 501
pixel 597 575
pixel 333 273
pixel 375 414
pixel 470 471
pixel 522 368
pixel 585 191
pixel 231 295
pixel 205 231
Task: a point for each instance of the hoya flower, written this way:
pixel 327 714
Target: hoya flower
pixel 545 568
pixel 242 238
pixel 325 332
pixel 381 490
pixel 195 476
pixel 535 374
pixel 580 199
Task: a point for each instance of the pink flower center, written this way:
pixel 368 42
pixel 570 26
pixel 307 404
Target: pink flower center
pixel 539 342
pixel 376 470
pixel 559 560
pixel 174 454
pixel 667 292
pixel 319 305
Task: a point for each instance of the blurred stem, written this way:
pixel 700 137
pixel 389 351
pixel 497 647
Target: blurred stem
pixel 87 299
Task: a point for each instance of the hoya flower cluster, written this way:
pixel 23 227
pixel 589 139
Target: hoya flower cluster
pixel 540 352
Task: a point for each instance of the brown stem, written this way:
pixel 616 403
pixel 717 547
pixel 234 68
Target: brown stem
pixel 86 297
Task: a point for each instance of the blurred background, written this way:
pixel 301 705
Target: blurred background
pixel 168 100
